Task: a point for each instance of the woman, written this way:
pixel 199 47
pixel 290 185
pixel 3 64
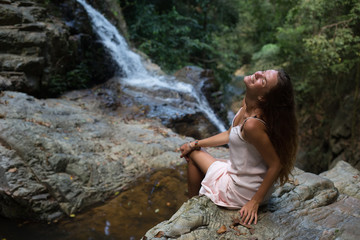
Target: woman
pixel 262 143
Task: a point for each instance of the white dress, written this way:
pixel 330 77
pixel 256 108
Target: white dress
pixel 232 183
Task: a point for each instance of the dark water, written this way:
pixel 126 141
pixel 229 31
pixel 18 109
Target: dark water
pixel 153 199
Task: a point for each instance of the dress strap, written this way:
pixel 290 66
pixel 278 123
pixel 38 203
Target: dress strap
pixel 232 123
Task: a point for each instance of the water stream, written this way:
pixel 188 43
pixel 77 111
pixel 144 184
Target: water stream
pixel 138 77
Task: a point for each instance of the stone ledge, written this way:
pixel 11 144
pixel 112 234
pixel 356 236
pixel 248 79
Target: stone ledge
pixel 308 207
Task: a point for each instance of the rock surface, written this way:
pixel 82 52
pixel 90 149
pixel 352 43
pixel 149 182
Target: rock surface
pixel 346 179
pixel 57 156
pixel 307 207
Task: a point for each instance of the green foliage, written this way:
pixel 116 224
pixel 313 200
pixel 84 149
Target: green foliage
pixel 57 84
pixel 325 47
pixel 77 78
pixel 179 33
pixel 263 58
pixel 165 44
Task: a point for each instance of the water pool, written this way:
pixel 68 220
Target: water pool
pixel 153 199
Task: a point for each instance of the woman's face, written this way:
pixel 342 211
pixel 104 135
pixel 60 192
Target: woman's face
pixel 261 82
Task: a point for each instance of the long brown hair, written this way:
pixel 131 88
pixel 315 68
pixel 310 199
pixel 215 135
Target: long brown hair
pixel 278 107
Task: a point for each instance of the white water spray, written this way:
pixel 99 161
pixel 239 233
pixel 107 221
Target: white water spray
pixel 130 63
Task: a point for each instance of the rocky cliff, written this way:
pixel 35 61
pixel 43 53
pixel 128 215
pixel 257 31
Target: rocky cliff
pixel 47 47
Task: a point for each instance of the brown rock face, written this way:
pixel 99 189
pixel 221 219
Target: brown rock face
pixel 24 38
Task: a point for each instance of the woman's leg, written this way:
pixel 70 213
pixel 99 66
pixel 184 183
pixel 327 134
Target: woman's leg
pixel 195 176
pixel 198 164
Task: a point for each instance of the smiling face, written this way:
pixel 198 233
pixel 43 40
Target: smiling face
pixel 259 83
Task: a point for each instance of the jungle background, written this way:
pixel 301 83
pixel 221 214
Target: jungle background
pixel 316 42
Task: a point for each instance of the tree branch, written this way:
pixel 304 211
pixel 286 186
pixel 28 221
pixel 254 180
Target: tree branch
pixel 335 24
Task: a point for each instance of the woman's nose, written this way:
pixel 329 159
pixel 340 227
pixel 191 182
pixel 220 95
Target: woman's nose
pixel 258 74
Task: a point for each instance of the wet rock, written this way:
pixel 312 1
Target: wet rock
pixel 194 125
pixel 204 81
pixel 307 207
pixel 179 109
pixel 55 49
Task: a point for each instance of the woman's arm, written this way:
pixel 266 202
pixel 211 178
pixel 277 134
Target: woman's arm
pixel 255 133
pixel 216 140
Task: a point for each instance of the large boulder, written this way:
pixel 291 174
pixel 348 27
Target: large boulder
pixel 307 207
pixel 346 179
pixel 58 156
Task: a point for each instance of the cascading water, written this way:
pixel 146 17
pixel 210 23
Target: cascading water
pixel 137 76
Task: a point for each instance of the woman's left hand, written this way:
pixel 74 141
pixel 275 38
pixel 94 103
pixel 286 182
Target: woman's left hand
pixel 248 212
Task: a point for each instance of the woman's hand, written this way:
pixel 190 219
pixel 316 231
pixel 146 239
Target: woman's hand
pixel 185 150
pixel 248 212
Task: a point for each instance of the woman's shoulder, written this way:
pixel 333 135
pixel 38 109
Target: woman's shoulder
pixel 254 128
pixel 254 123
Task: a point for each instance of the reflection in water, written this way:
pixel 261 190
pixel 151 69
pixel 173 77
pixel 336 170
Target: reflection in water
pixel 153 199
pixel 107 227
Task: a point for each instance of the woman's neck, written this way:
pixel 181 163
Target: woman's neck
pixel 251 107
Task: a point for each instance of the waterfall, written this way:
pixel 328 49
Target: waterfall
pixel 136 74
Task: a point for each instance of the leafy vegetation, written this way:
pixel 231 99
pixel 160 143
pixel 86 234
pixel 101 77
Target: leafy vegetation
pixel 77 78
pixel 80 68
pixel 177 33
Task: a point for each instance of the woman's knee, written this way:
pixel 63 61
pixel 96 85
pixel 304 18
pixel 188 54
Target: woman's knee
pixel 196 153
pixel 202 159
